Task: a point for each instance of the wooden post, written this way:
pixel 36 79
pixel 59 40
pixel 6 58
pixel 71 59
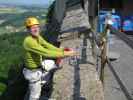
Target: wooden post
pixel 103 53
pixel 103 60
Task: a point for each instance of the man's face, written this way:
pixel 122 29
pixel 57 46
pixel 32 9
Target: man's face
pixel 35 30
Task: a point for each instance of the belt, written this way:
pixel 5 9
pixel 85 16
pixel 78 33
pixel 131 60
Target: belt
pixel 39 67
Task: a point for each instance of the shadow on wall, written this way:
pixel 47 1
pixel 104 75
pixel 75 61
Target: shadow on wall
pixel 76 65
pixel 52 32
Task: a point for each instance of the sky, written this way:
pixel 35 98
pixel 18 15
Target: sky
pixel 27 2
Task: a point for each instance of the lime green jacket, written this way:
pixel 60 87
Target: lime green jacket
pixel 35 48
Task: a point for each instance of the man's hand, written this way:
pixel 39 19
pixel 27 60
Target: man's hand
pixel 70 53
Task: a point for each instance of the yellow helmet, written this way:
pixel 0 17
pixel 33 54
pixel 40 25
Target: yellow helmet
pixel 31 21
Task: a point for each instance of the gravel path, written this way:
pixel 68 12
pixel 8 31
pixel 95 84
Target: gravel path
pixel 124 70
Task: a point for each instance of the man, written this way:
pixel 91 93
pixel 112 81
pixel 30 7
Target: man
pixel 35 48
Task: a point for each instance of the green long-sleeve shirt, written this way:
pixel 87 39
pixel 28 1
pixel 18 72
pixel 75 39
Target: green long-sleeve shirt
pixel 35 48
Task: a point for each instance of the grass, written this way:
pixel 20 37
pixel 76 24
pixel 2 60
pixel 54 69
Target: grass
pixel 11 55
pixel 2 88
pixel 10 52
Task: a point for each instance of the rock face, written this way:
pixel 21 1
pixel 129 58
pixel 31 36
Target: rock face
pixel 78 78
pixel 75 20
pixel 78 81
